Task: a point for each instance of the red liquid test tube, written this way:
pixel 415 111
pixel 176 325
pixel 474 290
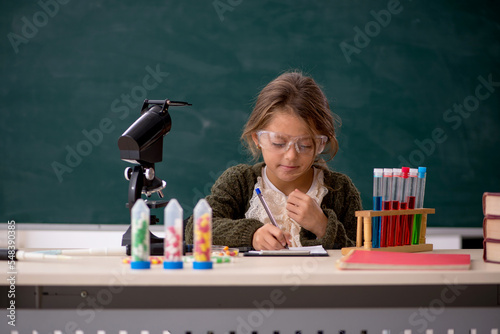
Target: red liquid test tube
pixel 403 205
pixel 394 227
pixel 386 205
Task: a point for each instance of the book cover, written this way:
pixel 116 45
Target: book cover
pixel 491 250
pixel 491 204
pixel 374 260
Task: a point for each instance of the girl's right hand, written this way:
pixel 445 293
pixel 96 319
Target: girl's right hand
pixel 269 237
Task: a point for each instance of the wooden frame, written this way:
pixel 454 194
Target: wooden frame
pixel 364 231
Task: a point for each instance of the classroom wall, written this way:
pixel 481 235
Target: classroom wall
pixel 415 83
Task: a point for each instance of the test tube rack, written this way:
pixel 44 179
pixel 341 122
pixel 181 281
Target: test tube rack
pixel 364 231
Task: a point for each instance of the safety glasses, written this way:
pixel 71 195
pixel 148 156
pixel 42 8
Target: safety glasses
pixel 280 143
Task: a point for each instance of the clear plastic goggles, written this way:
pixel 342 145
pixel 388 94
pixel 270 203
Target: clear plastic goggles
pixel 280 143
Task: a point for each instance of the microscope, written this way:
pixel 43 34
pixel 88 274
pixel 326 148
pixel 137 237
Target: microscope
pixel 142 144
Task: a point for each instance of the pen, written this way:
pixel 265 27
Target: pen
pixel 155 249
pixel 263 201
pixel 106 251
pixel 19 255
pixel 264 204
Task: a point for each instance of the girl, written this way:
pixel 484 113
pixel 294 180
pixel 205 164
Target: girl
pixel 291 126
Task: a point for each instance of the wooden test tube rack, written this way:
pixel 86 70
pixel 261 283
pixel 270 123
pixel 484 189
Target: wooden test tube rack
pixel 364 231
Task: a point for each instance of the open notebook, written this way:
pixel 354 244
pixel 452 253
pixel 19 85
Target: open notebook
pixel 292 251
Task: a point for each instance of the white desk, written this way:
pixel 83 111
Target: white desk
pixel 252 294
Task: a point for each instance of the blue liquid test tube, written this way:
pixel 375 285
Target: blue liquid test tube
pixel 140 236
pixel 173 235
pixel 202 235
pixel 377 205
pixel 386 205
pixel 419 204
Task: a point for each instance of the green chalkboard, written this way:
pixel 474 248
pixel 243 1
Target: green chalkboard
pixel 414 82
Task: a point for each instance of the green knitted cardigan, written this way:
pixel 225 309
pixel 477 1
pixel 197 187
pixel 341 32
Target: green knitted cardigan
pixel 230 199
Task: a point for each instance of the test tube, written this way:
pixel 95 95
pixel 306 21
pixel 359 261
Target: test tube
pixel 396 184
pixel 377 205
pixel 202 248
pixel 401 220
pixel 410 194
pixel 386 205
pixel 140 236
pixel 419 203
pixel 173 235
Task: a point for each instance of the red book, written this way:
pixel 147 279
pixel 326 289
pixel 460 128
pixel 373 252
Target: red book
pixel 491 227
pixel 491 250
pixel 491 204
pixel 373 260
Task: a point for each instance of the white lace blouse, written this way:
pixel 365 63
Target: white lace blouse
pixel 276 201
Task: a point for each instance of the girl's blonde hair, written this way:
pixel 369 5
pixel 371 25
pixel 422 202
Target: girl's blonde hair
pixel 300 95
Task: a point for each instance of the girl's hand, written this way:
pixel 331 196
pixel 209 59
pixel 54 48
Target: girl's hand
pixel 305 211
pixel 269 237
